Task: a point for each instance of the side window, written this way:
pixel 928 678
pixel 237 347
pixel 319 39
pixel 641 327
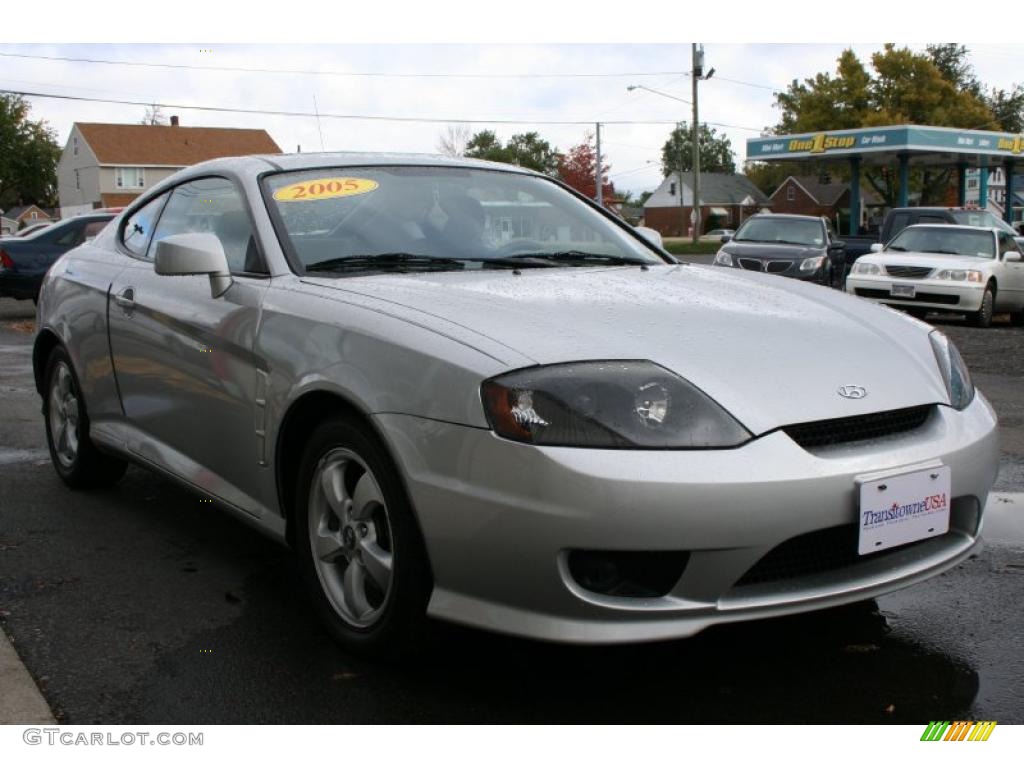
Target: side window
pixel 213 205
pixel 70 238
pixel 899 223
pixel 1006 243
pixel 138 229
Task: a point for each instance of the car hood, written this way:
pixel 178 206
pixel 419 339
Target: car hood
pixel 935 260
pixel 772 351
pixel 772 250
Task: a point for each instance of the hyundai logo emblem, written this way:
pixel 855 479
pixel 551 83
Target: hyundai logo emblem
pixel 853 392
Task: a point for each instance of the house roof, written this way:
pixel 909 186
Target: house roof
pixel 20 210
pixel 828 193
pixel 728 189
pixel 173 145
pixel 715 189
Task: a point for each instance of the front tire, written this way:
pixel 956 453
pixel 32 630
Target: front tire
pixel 983 317
pixel 78 462
pixel 360 550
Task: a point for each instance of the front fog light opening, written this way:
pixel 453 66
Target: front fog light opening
pixel 643 574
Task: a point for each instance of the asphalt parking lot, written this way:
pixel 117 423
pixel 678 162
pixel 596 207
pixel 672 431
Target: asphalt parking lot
pixel 142 605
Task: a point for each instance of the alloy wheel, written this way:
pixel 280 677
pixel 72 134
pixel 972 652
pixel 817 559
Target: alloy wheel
pixel 64 415
pixel 350 538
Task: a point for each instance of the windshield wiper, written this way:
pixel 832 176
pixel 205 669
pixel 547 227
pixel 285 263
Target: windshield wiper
pixel 790 242
pixel 398 261
pixel 948 253
pixel 896 248
pixel 576 257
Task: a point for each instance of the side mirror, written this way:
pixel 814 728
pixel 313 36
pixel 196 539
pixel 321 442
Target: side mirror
pixel 877 248
pixel 726 238
pixel 652 236
pixel 837 245
pixel 1012 256
pixel 194 253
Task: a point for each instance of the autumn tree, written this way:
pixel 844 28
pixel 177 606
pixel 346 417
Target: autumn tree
pixel 528 150
pixel 578 169
pixel 28 156
pixel 716 155
pixel 905 87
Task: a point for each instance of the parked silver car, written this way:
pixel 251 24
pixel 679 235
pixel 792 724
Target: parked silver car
pixel 459 389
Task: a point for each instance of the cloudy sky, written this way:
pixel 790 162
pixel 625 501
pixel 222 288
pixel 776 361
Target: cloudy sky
pixel 504 82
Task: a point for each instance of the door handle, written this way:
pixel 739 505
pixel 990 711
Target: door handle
pixel 126 299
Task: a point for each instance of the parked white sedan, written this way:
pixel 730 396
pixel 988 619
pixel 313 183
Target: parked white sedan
pixel 938 267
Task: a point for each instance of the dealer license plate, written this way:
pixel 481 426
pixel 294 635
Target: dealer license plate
pixel 903 291
pixel 903 508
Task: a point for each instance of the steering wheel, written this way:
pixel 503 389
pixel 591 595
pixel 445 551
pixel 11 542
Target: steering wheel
pixel 520 246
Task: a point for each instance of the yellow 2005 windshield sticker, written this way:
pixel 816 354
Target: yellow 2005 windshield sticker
pixel 323 189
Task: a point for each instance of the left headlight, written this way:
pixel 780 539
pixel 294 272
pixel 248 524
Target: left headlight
pixel 723 259
pixel 954 371
pixel 812 263
pixel 607 404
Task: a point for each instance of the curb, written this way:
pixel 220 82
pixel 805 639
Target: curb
pixel 21 703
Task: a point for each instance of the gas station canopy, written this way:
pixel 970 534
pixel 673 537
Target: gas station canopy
pixel 904 145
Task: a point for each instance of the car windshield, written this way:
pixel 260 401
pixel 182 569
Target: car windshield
pixel 981 219
pixel 945 240
pixel 775 229
pixel 344 220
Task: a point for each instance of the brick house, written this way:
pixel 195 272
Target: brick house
pixel 726 199
pixel 107 165
pixel 27 215
pixel 820 196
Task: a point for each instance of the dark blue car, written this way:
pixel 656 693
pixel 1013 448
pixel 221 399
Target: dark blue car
pixel 24 260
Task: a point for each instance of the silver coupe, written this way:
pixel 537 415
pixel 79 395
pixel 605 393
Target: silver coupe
pixel 460 389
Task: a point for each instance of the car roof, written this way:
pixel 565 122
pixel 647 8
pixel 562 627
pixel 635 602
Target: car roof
pixel 797 216
pixel 311 160
pixel 944 227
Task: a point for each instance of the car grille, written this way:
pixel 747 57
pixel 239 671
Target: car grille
pixel 913 273
pixel 753 265
pixel 778 266
pixel 870 426
pixel 817 552
pixel 927 298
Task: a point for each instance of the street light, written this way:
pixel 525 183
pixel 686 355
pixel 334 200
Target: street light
pixel 679 127
pixel 696 74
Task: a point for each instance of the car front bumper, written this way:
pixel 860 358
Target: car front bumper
pixel 939 295
pixel 499 517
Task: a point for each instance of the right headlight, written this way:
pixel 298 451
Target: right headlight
pixel 865 268
pixel 607 404
pixel 723 259
pixel 954 371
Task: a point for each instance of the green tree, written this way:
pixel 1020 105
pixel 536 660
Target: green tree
pixel 528 150
pixel 905 87
pixel 716 155
pixel 28 156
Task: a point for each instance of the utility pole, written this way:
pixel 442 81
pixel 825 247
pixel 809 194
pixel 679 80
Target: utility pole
pixel 695 75
pixel 597 171
pixel 682 157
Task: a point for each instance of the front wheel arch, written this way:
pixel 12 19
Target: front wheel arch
pixel 298 422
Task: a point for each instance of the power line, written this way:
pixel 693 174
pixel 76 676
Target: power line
pixel 751 85
pixel 289 113
pixel 340 73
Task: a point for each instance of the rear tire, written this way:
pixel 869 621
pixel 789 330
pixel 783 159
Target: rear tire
pixel 78 462
pixel 359 547
pixel 983 317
